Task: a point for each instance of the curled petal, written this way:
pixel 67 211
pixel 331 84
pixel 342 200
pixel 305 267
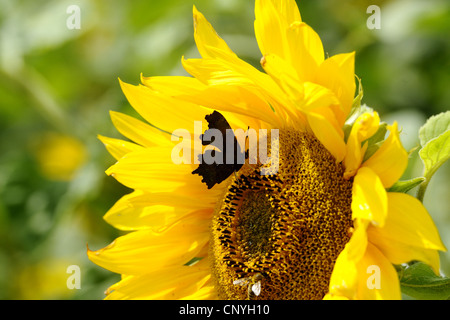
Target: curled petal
pixel 369 201
pixel 364 127
pixel 390 160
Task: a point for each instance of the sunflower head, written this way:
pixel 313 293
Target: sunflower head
pixel 308 228
pixel 289 227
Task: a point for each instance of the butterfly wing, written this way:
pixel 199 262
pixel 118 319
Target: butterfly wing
pixel 215 173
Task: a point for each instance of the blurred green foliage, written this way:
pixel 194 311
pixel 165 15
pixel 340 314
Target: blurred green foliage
pixel 57 86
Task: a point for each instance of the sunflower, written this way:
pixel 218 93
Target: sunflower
pixel 324 225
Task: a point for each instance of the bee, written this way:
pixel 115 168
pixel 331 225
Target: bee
pixel 254 285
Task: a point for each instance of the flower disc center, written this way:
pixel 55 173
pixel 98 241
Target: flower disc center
pixel 254 224
pixel 282 232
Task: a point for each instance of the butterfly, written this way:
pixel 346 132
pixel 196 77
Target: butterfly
pixel 216 172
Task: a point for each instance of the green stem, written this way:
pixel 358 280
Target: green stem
pixel 423 186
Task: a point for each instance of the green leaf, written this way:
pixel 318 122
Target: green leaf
pixel 419 281
pixel 379 135
pixel 435 153
pixel 352 118
pixel 435 140
pixel 405 186
pixel 434 127
pixel 375 142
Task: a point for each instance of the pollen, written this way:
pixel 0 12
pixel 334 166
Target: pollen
pixel 284 230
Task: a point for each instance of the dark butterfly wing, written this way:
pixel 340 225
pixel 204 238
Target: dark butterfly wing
pixel 215 173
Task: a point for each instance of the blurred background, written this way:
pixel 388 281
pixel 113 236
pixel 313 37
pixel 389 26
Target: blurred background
pixel 57 86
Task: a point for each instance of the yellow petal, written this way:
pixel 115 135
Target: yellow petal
pixel 409 233
pixel 372 276
pixel 287 9
pixel 398 252
pixel 318 97
pixel 358 242
pixel 180 282
pixel 205 293
pixel 238 100
pixel 205 36
pixel 138 131
pixel 229 70
pixel 305 50
pixel 214 72
pixel 144 251
pixel 390 160
pixel 142 210
pixel 377 278
pixel 152 170
pixel 286 78
pixel 270 29
pixel 233 98
pixel 154 108
pixel 364 127
pixel 410 222
pixel 369 198
pixel 279 31
pixel 327 133
pixel 305 96
pixel 330 296
pixel 173 85
pixel 344 278
pixel 337 73
pixel 118 148
pixel 321 103
pixel 317 101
